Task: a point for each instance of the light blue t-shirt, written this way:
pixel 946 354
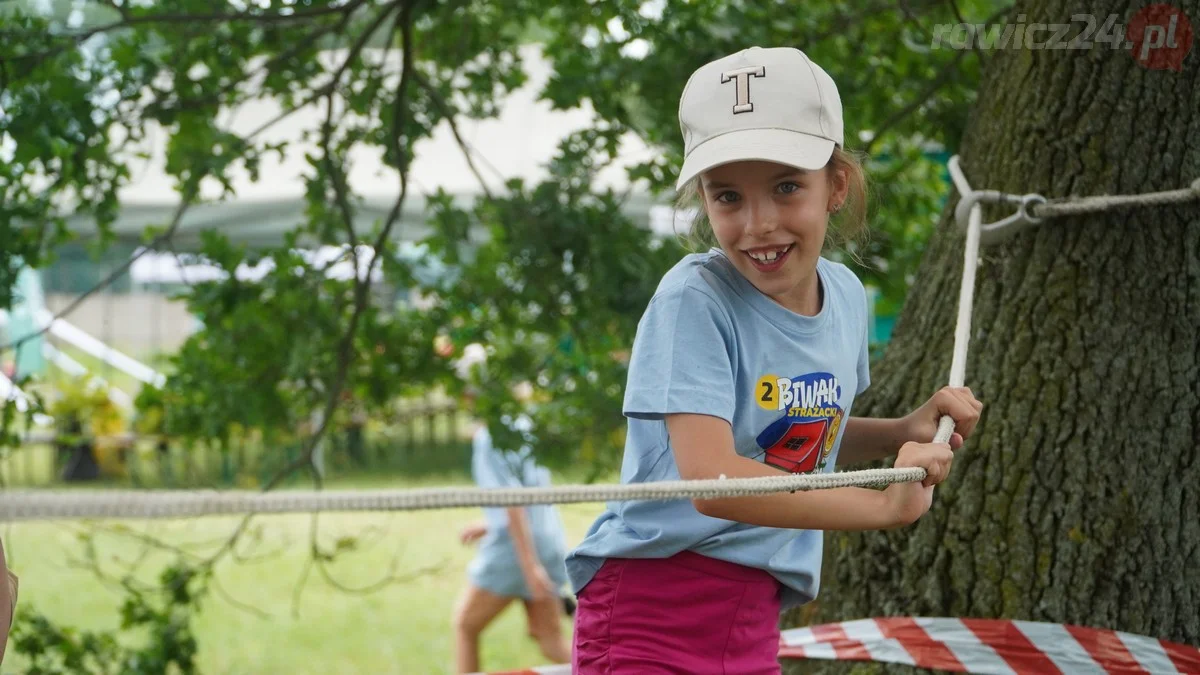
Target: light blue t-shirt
pixel 495 566
pixel 711 343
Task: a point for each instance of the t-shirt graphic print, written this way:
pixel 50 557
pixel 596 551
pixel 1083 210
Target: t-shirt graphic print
pixel 800 440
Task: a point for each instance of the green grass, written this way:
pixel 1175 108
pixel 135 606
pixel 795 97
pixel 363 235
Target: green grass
pixel 403 628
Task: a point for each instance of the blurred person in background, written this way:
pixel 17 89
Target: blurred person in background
pixel 521 549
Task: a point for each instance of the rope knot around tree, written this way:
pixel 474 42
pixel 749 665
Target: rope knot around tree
pixel 1034 208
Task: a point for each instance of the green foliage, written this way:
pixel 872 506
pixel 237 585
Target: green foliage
pixel 163 616
pixel 80 407
pixel 556 293
pixel 559 276
pixel 271 348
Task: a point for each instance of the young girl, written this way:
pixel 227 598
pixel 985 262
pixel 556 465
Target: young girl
pixel 747 362
pixel 521 550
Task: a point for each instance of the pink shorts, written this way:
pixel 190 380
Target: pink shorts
pixel 684 614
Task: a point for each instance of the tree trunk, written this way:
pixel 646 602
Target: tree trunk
pixel 1078 499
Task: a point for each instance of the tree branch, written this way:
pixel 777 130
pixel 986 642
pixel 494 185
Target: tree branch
pixel 256 558
pixel 442 107
pixel 406 74
pixel 298 589
pixel 320 559
pixel 911 18
pixel 150 543
pixel 184 203
pixel 145 538
pixel 957 12
pixel 267 68
pixel 920 100
pixel 340 188
pixel 362 286
pixel 345 347
pixel 215 583
pixel 940 81
pixel 129 20
pixel 193 191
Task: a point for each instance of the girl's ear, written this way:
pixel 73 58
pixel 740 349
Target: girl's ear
pixel 839 184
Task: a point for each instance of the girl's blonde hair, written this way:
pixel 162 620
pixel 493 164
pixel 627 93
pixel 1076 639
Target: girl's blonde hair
pixel 848 225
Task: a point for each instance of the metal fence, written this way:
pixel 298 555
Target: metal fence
pixel 424 438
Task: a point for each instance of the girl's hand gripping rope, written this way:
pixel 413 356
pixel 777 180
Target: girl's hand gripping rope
pixel 910 501
pixel 958 402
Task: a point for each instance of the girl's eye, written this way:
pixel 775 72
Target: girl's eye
pixel 788 187
pixel 728 197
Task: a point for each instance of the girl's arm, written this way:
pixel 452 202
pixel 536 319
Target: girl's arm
pixel 868 439
pixel 703 448
pixel 536 578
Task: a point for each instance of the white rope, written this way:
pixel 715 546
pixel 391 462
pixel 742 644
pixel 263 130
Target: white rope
pixel 53 505
pixel 1032 209
pixel 966 299
pixel 1080 205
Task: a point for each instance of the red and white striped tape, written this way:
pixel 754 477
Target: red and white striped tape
pixel 983 646
pixel 989 646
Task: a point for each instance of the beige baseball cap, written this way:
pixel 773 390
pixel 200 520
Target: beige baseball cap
pixel 770 104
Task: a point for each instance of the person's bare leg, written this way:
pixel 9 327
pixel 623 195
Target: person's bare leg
pixel 476 609
pixel 545 627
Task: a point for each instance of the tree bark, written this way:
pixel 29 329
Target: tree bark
pixel 1078 499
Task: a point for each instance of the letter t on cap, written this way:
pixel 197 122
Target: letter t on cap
pixel 743 75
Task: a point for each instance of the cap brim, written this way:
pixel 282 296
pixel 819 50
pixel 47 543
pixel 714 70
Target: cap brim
pixel 790 148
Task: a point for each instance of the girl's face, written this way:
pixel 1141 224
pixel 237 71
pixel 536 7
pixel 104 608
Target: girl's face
pixel 771 219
